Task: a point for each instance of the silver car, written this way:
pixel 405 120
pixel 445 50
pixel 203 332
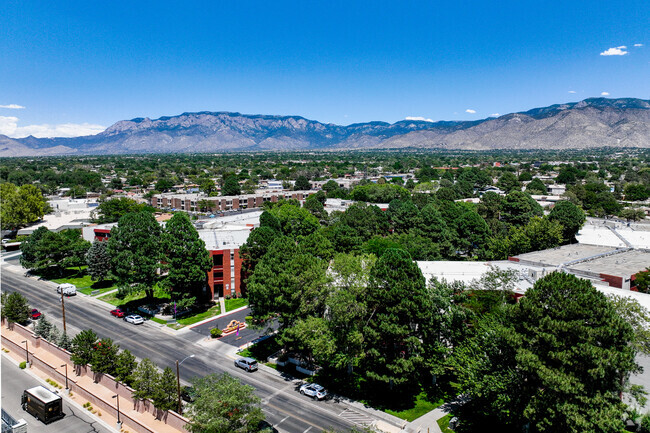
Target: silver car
pixel 313 390
pixel 135 319
pixel 248 364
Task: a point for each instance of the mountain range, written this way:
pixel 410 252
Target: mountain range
pixel 591 123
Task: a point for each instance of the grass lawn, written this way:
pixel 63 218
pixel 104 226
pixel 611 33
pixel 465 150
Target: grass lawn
pixel 157 320
pixel 422 406
pixel 135 299
pixel 84 283
pixel 443 423
pixel 190 320
pixel 232 304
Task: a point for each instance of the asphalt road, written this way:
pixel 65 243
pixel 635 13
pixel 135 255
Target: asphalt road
pixel 246 335
pixel 284 407
pixel 15 380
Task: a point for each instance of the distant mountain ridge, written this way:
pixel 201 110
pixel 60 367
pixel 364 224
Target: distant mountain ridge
pixel 594 122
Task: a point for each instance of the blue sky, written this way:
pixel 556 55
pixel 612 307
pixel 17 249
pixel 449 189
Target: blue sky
pixel 77 67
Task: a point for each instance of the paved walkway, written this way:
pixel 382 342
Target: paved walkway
pixel 100 391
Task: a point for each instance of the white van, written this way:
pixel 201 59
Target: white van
pixel 67 289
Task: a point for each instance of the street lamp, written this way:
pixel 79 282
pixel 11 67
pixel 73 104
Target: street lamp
pixel 178 382
pixel 119 423
pixel 66 377
pixel 26 352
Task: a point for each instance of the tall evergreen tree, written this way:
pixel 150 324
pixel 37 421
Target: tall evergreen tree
pixel 146 380
pixel 104 357
pixel 83 346
pixel 125 366
pixel 98 260
pixel 135 250
pixel 398 301
pixel 167 397
pixel 186 256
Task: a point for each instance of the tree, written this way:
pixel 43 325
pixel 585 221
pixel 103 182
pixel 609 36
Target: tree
pixel 536 186
pixel 164 185
pixel 98 261
pixel 46 251
pixel 638 317
pixel 64 341
pixel 208 186
pixel 403 215
pixel 222 404
pixel 146 380
pixel 20 206
pixel 44 328
pixel 508 182
pixel 398 301
pixel 472 231
pixel 558 362
pixel 636 192
pixel 83 346
pixel 631 214
pixel 256 245
pixel 295 221
pixel 104 357
pixel 186 256
pixel 519 207
pixel 311 337
pixel 570 216
pixel 110 211
pixel 15 308
pixel 166 397
pixel 302 184
pixel 135 250
pixel 230 186
pixel 642 280
pixel 267 219
pixel 125 366
pixel 317 245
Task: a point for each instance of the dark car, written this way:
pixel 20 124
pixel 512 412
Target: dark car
pixel 35 314
pixel 118 313
pixel 187 394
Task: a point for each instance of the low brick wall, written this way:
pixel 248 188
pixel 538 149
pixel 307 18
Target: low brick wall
pixel 170 418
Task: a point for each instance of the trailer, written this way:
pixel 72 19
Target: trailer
pixel 43 404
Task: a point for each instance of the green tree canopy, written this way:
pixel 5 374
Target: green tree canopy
pixel 518 208
pixel 98 260
pixel 20 206
pixel 222 404
pixel 15 307
pixel 83 347
pixel 302 184
pixel 570 216
pixel 110 211
pixel 230 186
pixel 135 250
pixel 186 256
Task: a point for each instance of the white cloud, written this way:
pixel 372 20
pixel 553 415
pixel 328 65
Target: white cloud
pixel 495 115
pixel 12 106
pixel 638 45
pixel 418 118
pixel 9 127
pixel 617 51
pixel 572 91
pixel 604 93
pixel 470 111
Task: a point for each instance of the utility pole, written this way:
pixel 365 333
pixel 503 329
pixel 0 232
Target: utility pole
pixel 178 388
pixel 63 311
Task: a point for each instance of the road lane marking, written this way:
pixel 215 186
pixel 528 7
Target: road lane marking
pixel 308 428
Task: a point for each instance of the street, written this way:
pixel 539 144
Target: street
pixel 15 380
pixel 283 406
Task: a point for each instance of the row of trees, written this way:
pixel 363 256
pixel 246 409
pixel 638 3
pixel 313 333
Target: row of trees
pixel 20 206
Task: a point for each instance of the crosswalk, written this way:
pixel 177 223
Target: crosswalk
pixel 356 417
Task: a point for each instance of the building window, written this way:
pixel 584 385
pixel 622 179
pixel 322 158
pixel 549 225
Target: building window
pixel 217 275
pixel 217 260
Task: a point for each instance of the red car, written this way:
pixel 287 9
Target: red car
pixel 35 314
pixel 117 313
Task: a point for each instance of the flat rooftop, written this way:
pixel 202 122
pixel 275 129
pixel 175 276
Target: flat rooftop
pixel 622 264
pixel 566 253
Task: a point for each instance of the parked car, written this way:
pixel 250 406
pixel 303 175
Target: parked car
pixel 313 390
pixel 248 364
pixel 135 319
pixel 35 314
pixel 67 289
pixel 187 394
pixel 118 313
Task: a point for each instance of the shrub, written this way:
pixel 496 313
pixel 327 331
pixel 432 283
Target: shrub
pixel 215 332
pixel 23 365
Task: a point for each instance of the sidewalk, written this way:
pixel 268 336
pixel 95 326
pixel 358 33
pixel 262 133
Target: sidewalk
pixel 104 404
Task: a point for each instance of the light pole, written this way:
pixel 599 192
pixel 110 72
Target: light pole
pixel 26 352
pixel 178 382
pixel 119 423
pixel 66 377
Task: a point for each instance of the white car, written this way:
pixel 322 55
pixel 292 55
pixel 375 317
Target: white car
pixel 135 319
pixel 313 390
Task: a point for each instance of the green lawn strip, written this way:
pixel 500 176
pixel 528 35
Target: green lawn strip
pixel 112 298
pixel 443 423
pixel 422 406
pixel 90 290
pixel 233 304
pixel 190 320
pixel 157 320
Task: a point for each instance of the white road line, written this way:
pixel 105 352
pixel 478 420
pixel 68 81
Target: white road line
pixel 283 420
pixel 308 428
